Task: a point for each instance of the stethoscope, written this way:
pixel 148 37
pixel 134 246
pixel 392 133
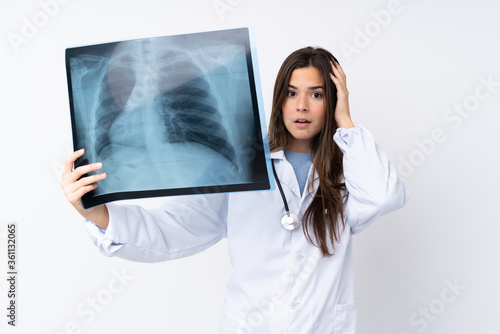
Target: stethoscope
pixel 289 221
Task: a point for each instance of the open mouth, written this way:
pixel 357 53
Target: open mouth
pixel 302 121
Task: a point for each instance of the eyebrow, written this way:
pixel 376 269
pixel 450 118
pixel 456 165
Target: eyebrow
pixel 310 88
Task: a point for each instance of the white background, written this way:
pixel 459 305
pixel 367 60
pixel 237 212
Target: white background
pixel 406 73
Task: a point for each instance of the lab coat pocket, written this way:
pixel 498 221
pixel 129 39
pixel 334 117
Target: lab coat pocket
pixel 345 319
pixel 233 321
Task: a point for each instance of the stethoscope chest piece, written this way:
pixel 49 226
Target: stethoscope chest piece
pixel 290 221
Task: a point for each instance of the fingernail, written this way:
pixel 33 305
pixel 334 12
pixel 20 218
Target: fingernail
pixel 98 165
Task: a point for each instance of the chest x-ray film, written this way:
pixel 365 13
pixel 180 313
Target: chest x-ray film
pixel 171 115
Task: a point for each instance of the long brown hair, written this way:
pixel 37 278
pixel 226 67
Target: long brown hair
pixel 322 218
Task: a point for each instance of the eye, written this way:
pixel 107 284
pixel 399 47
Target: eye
pixel 317 95
pixel 291 93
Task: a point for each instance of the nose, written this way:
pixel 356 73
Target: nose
pixel 302 103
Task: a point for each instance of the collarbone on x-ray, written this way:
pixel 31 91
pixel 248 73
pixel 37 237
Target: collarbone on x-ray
pixel 160 104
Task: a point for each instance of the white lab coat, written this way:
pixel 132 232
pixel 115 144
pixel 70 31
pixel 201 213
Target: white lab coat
pixel 279 282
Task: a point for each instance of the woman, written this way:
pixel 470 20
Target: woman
pixel 283 280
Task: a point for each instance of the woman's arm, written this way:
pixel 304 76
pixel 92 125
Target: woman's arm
pixel 373 184
pixel 371 179
pixel 183 226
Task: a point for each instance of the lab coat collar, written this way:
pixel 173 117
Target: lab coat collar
pixel 285 173
pixel 278 155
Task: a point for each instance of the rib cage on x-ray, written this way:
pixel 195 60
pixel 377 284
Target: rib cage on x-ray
pixel 179 90
pixel 152 94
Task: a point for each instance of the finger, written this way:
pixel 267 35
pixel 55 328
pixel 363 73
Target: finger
pixel 76 197
pixel 85 169
pixel 68 165
pixel 338 67
pixel 338 78
pixel 333 68
pixel 74 187
pixel 339 83
pixel 341 87
pixel 90 179
pixel 72 177
pixel 83 190
pixel 337 70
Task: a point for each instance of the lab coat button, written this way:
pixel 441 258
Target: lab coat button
pixel 299 257
pixel 293 305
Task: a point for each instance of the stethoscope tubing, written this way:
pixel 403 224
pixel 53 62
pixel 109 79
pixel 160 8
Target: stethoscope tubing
pixel 281 189
pixel 289 221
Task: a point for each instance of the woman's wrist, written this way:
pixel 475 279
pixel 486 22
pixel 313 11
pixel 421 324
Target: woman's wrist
pixel 99 215
pixel 345 123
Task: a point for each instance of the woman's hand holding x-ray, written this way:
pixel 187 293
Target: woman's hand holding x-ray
pixel 75 186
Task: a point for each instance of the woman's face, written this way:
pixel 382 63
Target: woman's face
pixel 304 108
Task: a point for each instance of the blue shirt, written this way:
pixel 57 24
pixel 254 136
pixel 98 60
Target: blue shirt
pixel 301 163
